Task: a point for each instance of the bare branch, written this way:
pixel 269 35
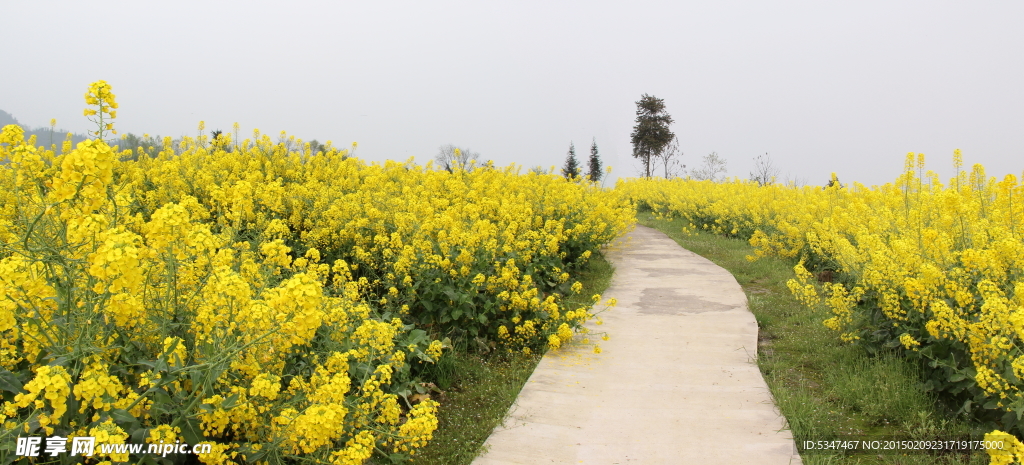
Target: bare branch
pixel 713 169
pixel 765 172
pixel 449 157
pixel 670 159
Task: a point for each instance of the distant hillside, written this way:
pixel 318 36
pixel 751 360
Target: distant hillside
pixel 6 118
pixel 43 136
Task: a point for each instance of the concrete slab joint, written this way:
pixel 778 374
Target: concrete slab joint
pixel 676 383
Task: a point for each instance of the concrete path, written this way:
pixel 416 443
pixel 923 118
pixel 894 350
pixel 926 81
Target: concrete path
pixel 675 384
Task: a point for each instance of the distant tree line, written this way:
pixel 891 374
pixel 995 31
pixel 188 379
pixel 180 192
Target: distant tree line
pixel 655 144
pixel 45 136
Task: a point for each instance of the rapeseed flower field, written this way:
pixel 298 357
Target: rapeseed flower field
pixel 277 303
pixel 932 269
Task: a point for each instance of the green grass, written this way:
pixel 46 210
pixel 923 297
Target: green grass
pixel 826 389
pixel 478 389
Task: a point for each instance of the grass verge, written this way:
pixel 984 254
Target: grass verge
pixel 478 389
pixel 825 388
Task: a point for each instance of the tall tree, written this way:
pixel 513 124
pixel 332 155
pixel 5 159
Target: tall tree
pixel 594 166
pixel 651 133
pixel 571 169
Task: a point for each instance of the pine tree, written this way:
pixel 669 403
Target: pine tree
pixel 571 169
pixel 595 163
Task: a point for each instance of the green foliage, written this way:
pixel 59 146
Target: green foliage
pixel 146 145
pixel 477 389
pixel 571 168
pixel 152 368
pixel 594 165
pixel 651 133
pixel 317 147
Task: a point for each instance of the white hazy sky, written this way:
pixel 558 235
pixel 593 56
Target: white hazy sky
pixel 849 87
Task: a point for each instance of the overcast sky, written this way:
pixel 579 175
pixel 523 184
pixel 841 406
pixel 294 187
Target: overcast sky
pixel 819 86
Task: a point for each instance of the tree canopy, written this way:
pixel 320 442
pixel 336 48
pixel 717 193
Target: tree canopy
pixel 449 157
pixel 594 164
pixel 651 133
pixel 571 169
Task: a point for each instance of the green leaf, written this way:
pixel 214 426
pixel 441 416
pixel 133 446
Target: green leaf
pixel 230 402
pixel 160 396
pixel 33 424
pixel 1010 420
pixel 139 435
pixel 122 416
pixel 9 458
pixel 398 458
pixel 191 431
pixel 61 361
pixel 456 313
pixel 416 336
pixel 9 382
pixel 254 457
pixel 72 404
pixel 1010 375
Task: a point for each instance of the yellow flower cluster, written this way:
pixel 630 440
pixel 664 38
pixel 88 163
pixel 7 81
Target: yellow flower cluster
pixel 1012 450
pixel 416 432
pixel 164 434
pixel 100 95
pixel 266 299
pixel 51 385
pixel 97 389
pixel 85 174
pixel 937 268
pixel 108 432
